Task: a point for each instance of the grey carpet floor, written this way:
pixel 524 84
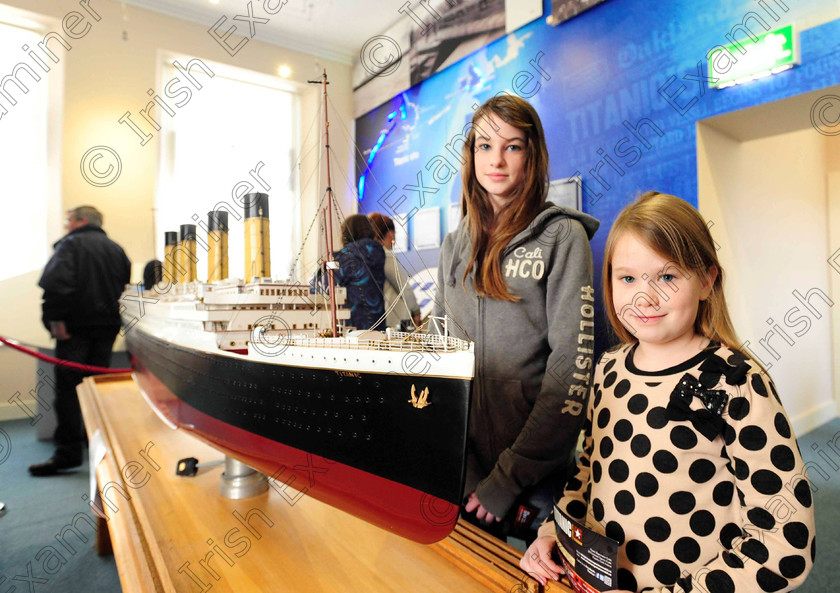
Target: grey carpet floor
pixel 37 509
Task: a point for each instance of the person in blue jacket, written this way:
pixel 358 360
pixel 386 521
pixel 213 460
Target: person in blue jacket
pixel 362 272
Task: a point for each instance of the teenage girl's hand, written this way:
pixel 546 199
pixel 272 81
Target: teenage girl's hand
pixel 537 560
pixel 481 513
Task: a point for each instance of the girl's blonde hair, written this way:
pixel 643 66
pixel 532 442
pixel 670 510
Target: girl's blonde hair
pixel 675 230
pixel 489 236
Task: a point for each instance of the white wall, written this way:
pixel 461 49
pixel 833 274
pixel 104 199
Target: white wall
pixel 833 198
pixel 768 202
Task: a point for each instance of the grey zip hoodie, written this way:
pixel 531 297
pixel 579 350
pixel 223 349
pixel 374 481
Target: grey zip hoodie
pixel 533 357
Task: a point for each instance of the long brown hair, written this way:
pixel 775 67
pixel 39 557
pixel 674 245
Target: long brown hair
pixel 675 230
pixel 489 234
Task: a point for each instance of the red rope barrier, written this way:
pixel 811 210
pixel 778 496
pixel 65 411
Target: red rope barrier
pixel 66 363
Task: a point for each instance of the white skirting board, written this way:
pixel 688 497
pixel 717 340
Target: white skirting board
pixel 12 411
pixel 44 426
pixel 815 417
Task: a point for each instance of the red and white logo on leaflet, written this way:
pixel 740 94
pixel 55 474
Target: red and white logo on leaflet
pixel 524 516
pixel 577 535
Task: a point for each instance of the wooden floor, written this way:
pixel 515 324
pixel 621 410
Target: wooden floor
pixel 173 533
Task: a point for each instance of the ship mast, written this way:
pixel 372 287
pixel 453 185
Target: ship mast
pixel 331 265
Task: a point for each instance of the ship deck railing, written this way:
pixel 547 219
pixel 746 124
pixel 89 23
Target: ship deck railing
pixel 399 342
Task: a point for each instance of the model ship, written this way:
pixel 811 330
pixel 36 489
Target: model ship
pixel 268 372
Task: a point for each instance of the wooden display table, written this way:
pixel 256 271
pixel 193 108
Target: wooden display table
pixel 172 533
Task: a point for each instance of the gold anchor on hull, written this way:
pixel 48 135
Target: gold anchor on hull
pixel 422 401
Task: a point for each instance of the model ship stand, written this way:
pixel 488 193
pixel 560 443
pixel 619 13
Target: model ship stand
pixel 241 481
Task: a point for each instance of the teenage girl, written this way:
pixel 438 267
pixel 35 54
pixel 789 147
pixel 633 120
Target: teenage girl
pixel 689 460
pixel 516 278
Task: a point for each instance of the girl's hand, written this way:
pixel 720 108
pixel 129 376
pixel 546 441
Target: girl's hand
pixel 481 513
pixel 537 560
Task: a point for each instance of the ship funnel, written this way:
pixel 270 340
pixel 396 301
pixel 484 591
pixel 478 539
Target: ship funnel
pixel 186 254
pixel 257 256
pixel 217 240
pixel 170 243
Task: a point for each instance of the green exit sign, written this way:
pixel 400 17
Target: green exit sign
pixel 751 59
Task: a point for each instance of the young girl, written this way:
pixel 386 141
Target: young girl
pixel 689 460
pixel 515 277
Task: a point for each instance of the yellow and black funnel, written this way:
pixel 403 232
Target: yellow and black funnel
pixel 170 262
pixel 186 254
pixel 257 254
pixel 217 241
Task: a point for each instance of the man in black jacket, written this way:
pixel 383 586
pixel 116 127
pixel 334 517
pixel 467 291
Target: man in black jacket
pixel 82 284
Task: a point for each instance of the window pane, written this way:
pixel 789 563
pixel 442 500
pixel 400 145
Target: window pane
pixel 23 156
pixel 212 143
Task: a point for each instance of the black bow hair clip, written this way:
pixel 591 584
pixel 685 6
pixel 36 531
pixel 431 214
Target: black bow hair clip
pixel 707 420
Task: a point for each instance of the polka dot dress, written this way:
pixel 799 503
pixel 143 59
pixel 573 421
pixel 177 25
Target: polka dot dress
pixel 695 471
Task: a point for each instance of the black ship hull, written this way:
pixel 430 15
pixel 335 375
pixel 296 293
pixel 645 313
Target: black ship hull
pixel 381 458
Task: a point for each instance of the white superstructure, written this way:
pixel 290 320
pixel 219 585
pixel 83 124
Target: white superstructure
pixel 283 323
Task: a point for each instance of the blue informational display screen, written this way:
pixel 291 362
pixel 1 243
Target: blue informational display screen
pixel 619 90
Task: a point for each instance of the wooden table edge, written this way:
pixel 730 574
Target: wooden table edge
pixel 134 565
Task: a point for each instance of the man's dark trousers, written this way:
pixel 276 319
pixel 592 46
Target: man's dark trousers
pixel 92 347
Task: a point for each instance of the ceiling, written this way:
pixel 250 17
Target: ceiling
pixel 331 29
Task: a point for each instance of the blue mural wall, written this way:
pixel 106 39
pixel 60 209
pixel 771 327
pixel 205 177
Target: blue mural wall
pixel 616 89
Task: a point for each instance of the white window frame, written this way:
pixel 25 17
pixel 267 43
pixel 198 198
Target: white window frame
pixel 164 61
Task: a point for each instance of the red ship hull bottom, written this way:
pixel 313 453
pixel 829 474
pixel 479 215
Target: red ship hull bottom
pixel 394 507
